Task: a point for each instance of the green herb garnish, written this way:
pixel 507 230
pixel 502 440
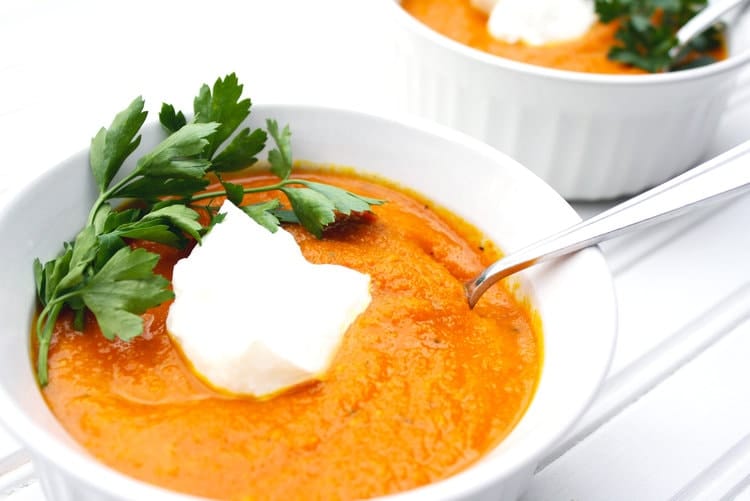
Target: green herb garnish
pixel 647 32
pixel 100 273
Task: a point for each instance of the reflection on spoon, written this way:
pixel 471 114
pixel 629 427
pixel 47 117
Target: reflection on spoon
pixel 717 179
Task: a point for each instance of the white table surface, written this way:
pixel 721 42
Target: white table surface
pixel 673 419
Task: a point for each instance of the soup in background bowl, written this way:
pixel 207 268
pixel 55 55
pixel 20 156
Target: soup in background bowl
pixel 572 298
pixel 464 22
pixel 590 136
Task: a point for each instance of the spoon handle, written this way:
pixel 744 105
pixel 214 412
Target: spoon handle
pixel 701 22
pixel 719 178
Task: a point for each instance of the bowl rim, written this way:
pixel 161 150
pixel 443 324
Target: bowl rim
pixel 480 475
pixel 408 21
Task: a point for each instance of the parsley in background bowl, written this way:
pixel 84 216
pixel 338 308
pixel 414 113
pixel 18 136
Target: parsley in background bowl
pixel 590 136
pixel 488 189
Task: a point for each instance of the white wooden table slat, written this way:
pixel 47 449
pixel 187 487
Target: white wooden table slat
pixel 724 478
pixel 672 434
pixel 692 269
pixel 16 472
pixel 743 494
pixel 626 387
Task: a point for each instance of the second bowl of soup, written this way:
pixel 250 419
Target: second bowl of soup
pixel 591 128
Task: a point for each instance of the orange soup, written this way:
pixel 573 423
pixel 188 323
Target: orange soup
pixel 459 20
pixel 421 387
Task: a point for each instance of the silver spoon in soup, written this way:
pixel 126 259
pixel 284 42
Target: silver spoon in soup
pixel 721 177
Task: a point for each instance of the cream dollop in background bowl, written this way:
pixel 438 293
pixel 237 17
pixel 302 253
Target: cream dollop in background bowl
pixel 590 136
pixel 574 297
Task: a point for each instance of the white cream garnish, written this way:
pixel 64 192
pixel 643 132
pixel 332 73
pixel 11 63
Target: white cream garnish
pixel 252 315
pixel 537 22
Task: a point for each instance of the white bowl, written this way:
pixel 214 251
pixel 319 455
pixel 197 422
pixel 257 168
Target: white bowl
pixel 573 297
pixel 590 136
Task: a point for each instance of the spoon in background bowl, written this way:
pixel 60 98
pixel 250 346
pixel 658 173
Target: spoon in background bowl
pixel 698 24
pixel 721 177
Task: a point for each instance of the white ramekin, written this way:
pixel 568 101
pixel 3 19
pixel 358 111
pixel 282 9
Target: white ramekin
pixel 574 297
pixel 589 136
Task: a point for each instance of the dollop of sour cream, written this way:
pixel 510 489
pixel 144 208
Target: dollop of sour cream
pixel 252 315
pixel 537 22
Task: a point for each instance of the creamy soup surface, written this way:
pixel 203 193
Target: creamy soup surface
pixel 420 389
pixel 460 21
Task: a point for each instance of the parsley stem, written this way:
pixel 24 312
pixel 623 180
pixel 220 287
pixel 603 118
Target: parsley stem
pixel 45 324
pixel 95 209
pixel 257 189
pixel 106 195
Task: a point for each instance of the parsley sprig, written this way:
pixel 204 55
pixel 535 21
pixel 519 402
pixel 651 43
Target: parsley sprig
pixel 647 33
pixel 99 272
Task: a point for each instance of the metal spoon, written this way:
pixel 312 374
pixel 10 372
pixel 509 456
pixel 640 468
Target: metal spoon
pixel 700 23
pixel 717 179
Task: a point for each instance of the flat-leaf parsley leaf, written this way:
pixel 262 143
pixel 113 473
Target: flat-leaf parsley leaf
pixel 100 273
pixel 647 29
